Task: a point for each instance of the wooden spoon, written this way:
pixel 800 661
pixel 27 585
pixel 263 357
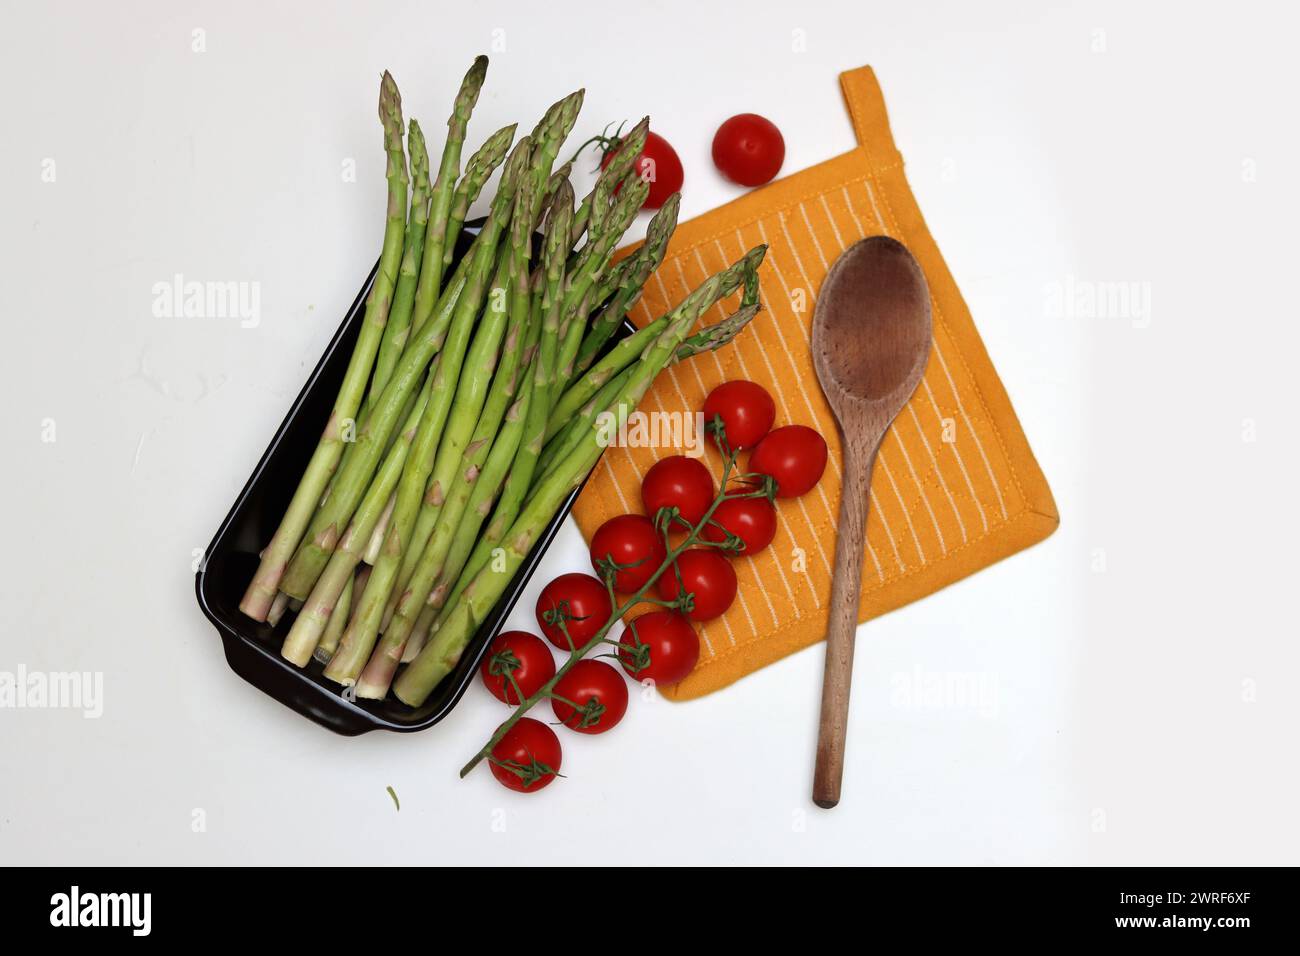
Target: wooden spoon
pixel 871 341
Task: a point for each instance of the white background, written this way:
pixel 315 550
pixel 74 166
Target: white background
pixel 1142 662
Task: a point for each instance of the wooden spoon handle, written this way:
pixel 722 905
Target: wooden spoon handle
pixel 842 627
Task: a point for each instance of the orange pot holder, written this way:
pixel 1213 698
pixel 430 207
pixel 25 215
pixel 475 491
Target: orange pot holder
pixel 955 486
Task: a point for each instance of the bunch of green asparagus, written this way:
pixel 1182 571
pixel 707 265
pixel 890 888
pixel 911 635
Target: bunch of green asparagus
pixel 476 399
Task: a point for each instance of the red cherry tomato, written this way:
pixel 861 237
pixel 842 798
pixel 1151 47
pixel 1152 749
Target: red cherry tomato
pixel 523 656
pixel 749 149
pixel 746 409
pixel 753 520
pixel 600 693
pixel 662 647
pixel 585 603
pixel 659 165
pixel 794 455
pixel 628 540
pixel 678 481
pixel 708 576
pixel 528 757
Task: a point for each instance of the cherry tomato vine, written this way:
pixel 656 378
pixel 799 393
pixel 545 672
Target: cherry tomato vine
pixel 666 520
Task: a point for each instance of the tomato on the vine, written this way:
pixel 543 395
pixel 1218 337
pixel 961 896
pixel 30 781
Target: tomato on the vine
pixel 752 520
pixel 681 482
pixel 749 149
pixel 794 455
pixel 521 655
pixel 706 575
pixel 659 165
pixel 600 693
pixel 632 543
pixel 581 600
pixel 528 757
pixel 661 647
pixel 746 409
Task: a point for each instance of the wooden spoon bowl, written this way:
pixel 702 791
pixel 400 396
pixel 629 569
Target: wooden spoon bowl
pixel 871 340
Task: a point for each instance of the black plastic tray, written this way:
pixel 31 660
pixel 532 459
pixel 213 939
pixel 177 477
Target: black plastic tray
pixel 252 648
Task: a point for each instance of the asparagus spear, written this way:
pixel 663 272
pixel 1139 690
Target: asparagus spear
pixel 261 590
pixel 551 132
pixel 371 554
pixel 398 328
pixel 419 634
pixel 551 300
pixel 558 178
pixel 444 648
pixel 439 234
pixel 488 157
pixel 480 167
pixel 311 622
pixel 278 607
pixel 713 337
pixel 351 483
pixel 329 641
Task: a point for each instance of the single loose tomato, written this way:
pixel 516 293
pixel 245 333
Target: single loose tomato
pixel 752 520
pixel 794 455
pixel 749 149
pixel 659 165
pixel 631 542
pixel 707 576
pixel 746 410
pixel 528 757
pixel 583 603
pixel 681 482
pixel 661 646
pixel 599 693
pixel 520 655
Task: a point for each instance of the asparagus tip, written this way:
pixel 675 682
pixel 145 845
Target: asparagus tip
pixel 390 97
pixel 390 111
pixel 637 134
pixel 416 146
